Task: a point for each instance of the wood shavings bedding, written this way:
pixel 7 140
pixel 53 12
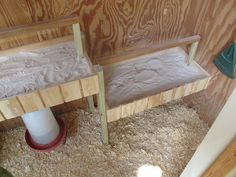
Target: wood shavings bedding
pixel 32 70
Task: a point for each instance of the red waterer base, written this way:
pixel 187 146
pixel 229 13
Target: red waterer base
pixel 51 146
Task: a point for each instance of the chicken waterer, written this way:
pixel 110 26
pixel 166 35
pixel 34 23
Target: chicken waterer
pixel 44 132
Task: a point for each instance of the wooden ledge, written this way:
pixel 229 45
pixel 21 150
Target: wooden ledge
pixel 131 53
pixel 35 27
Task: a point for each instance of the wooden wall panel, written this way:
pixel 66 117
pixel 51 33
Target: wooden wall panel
pixel 215 21
pixel 111 26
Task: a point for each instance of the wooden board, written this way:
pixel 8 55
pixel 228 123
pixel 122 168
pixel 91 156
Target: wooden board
pixel 51 96
pixel 90 85
pixel 11 108
pixel 127 109
pixel 141 105
pixel 155 100
pixel 71 91
pixel 224 163
pixel 114 114
pixel 135 24
pixel 31 102
pixel 24 30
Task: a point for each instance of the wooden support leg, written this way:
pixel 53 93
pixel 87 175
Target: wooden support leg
pixel 91 104
pixel 192 52
pixel 102 105
pixel 78 40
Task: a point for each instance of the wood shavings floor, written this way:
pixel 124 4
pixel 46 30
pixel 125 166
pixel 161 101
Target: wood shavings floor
pixel 166 136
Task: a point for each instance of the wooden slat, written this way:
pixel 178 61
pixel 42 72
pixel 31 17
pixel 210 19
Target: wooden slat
pixel 141 105
pixel 178 92
pixel 130 54
pixel 192 52
pixel 188 89
pixel 71 91
pixel 155 100
pixel 127 109
pixel 114 114
pixel 11 108
pixel 31 102
pixel 51 96
pixel 90 85
pixel 167 96
pixel 195 86
pixel 102 104
pixel 208 82
pixel 91 106
pixel 35 27
pixel 202 84
pixel 78 40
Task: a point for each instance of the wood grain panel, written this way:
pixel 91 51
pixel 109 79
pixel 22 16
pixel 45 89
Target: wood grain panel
pixel 155 100
pixel 127 109
pixel 71 91
pixel 11 108
pixel 113 114
pixel 90 85
pixel 141 105
pixel 215 21
pixel 31 102
pixel 51 96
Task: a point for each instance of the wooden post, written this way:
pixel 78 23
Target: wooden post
pixel 78 40
pixel 102 105
pixel 192 52
pixel 91 104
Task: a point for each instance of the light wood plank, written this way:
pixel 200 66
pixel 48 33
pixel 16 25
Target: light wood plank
pixel 201 84
pixel 208 82
pixel 51 96
pixel 91 106
pixel 114 114
pixel 78 40
pixel 178 92
pixel 127 109
pixel 24 30
pixel 90 85
pixel 188 89
pixel 194 87
pixel 155 100
pixel 11 108
pixel 192 52
pixel 102 104
pixel 167 96
pixel 31 102
pixel 141 105
pixel 71 91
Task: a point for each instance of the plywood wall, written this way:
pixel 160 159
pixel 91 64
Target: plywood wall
pixel 111 26
pixel 215 21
